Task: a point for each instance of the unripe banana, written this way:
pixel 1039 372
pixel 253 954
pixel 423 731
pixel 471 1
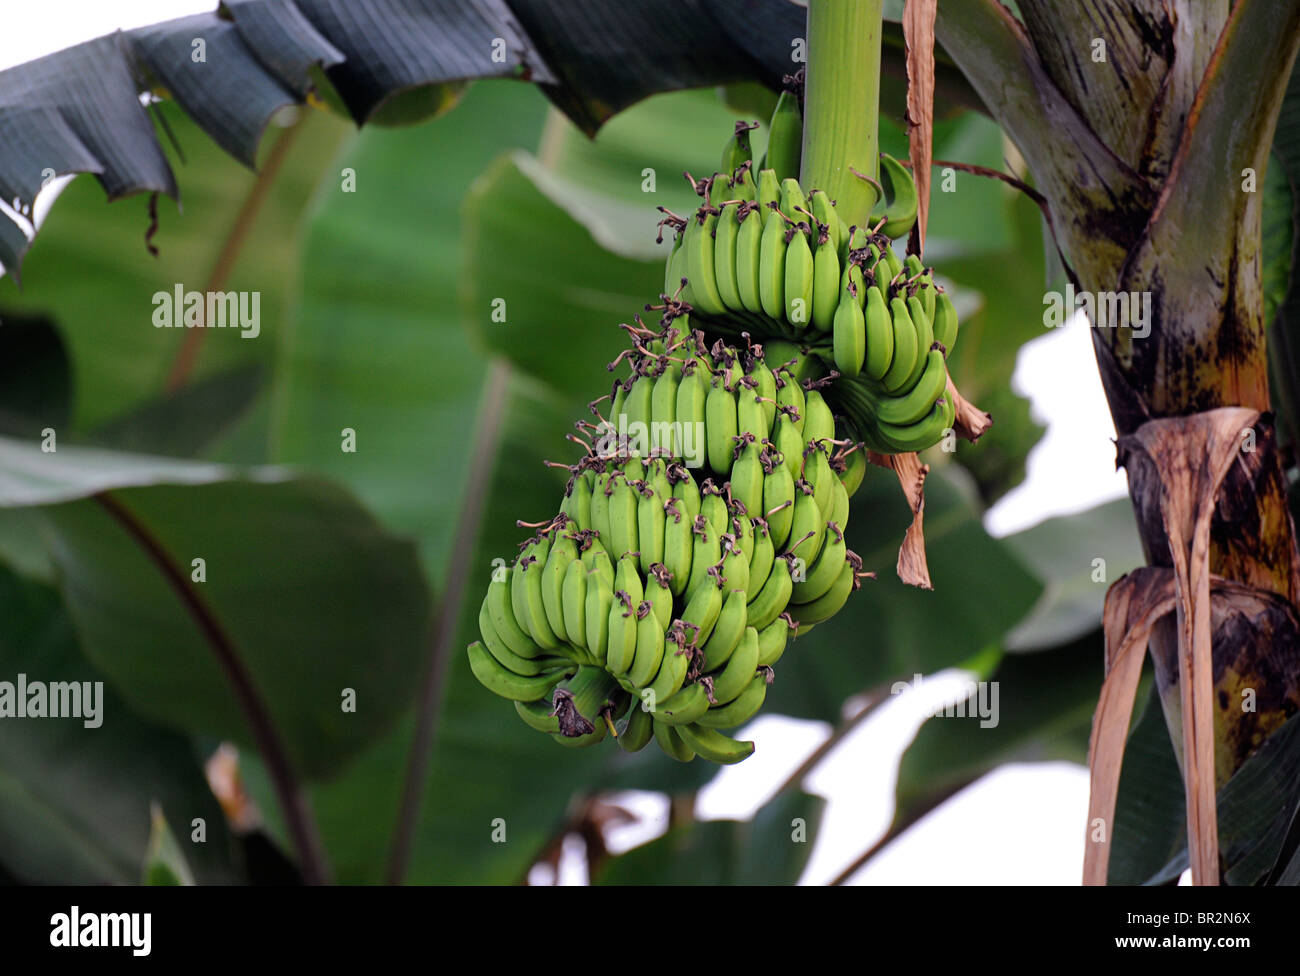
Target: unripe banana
pixel 663 409
pixel 562 553
pixel 769 190
pixel 535 607
pixel 692 396
pixel 905 351
pixel 772 641
pixel 638 730
pixel 685 707
pixel 826 282
pixel 735 564
pixel 854 471
pixel 824 212
pixel 727 630
pixel 724 257
pixel 807 529
pixel 671 743
pixel 747 478
pixel 508 659
pixel 793 202
pixel 790 397
pixel 917 403
pixel 742 709
pixel 823 573
pixel 900 201
pixel 701 283
pixel 773 597
pixel 839 513
pixel 749 242
pixel 819 424
pixel 765 391
pixel 600 496
pixel 751 418
pixel 649 652
pixel 515 637
pixel 671 675
pixel 679 541
pixel 880 336
pixel 705 554
pixel 738 669
pixel 785 137
pixel 599 602
pixel 637 408
pixel 945 321
pixel 597 562
pixel 737 151
pixel 829 603
pixel 714 745
pixel 850 336
pixel 720 426
pixel 651 523
pixel 574 602
pixel 659 596
pixel 771 267
pixel 798 283
pixel 924 340
pixel 628 594
pixel 701 613
pixel 778 504
pixel 506 683
pixel 760 561
pixel 623 509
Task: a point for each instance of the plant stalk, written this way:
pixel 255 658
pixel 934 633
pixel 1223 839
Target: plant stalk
pixel 841 105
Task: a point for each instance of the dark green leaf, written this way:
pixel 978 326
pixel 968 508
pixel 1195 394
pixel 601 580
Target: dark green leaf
pixel 164 862
pixel 313 598
pixel 1064 552
pixel 35 380
pixel 771 849
pixel 75 801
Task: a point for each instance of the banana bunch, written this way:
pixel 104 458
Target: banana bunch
pixel 764 255
pixel 656 602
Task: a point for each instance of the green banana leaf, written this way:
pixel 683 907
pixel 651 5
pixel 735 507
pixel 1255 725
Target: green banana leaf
pixel 82 278
pixel 50 767
pixel 771 849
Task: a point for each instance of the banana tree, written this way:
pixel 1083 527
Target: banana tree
pixel 1149 166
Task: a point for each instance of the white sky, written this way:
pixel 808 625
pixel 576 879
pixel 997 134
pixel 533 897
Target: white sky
pixel 1023 825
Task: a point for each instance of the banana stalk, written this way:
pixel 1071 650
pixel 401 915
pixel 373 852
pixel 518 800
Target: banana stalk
pixel 842 104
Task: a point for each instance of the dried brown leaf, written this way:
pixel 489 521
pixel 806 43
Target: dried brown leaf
pixel 918 32
pixel 971 421
pixel 912 567
pixel 1181 462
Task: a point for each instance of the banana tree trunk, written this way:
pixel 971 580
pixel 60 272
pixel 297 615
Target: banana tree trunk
pixel 1147 126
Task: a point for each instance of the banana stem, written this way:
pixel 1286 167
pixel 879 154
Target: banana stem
pixel 842 103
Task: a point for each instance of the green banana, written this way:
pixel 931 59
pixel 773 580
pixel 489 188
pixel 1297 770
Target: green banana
pixel 905 351
pixel 600 600
pixel 518 640
pixel 829 603
pixel 772 640
pixel 826 280
pixel 726 237
pixel 573 600
pixel 785 137
pixel 720 426
pixel 773 597
pixel 671 743
pixel 771 267
pixel 701 613
pixel 823 573
pixel 879 334
pixel 900 201
pixel 501 681
pixel 714 745
pixel 742 709
pixel 698 264
pixel 945 321
pixel 563 552
pixel 798 283
pixel 737 151
pixel 727 630
pixel 649 652
pixel 638 730
pixel 749 240
pixel 738 668
pixel 849 336
pixel 688 705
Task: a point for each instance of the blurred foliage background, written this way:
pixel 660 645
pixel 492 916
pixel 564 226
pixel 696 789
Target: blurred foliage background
pixel 330 570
